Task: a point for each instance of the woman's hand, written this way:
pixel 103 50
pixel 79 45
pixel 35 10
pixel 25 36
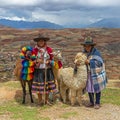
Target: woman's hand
pixel 47 62
pixel 87 61
pixel 39 61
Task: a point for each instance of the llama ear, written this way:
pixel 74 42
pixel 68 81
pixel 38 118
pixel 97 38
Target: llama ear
pixel 58 51
pixel 53 53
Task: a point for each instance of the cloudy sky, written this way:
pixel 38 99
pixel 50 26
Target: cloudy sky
pixel 63 12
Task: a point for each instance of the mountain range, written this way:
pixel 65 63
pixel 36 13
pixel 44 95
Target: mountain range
pixel 29 25
pixel 104 23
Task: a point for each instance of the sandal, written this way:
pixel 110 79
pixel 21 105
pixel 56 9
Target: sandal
pixel 40 103
pixel 97 106
pixel 48 103
pixel 90 105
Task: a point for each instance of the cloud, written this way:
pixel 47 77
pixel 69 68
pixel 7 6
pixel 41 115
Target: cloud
pixel 64 12
pixel 14 3
pixel 59 4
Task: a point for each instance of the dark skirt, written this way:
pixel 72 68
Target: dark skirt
pixel 43 84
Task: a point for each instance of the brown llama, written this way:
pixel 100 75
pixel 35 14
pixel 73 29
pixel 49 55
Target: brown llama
pixel 57 65
pixel 24 70
pixel 17 73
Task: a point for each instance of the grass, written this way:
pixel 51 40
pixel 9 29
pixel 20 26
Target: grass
pixel 21 112
pixel 17 111
pixel 111 95
pixel 64 106
pixel 68 115
pixel 11 84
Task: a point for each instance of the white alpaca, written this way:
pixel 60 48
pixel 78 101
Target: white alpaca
pixel 76 82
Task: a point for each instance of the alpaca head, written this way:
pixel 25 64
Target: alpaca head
pixel 80 59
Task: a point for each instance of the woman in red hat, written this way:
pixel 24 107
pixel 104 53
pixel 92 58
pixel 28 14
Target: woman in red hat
pixel 43 81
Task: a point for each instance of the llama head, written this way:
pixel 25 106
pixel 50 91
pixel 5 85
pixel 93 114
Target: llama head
pixel 80 59
pixel 28 54
pixel 57 55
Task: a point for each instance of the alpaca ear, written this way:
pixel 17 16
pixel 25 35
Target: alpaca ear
pixel 84 55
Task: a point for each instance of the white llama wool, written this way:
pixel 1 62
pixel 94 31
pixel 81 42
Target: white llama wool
pixel 76 82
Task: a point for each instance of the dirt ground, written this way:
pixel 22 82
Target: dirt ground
pixel 106 112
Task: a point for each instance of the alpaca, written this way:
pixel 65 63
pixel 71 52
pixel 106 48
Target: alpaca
pixel 74 79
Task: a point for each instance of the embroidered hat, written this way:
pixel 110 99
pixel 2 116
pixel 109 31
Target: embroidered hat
pixel 88 41
pixel 41 37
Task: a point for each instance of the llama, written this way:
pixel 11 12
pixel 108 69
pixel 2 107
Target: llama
pixel 17 73
pixel 57 57
pixel 74 79
pixel 20 70
pixel 56 66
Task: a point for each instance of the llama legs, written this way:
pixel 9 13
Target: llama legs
pixel 79 95
pixel 23 84
pixel 30 91
pixel 63 92
pixel 24 91
pixel 73 97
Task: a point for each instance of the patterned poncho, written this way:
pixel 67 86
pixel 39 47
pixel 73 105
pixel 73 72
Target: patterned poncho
pixel 27 64
pixel 97 70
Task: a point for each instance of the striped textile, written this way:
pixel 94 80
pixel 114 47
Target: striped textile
pixel 42 85
pixel 97 70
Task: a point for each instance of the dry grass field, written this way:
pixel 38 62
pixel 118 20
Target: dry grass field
pixel 12 109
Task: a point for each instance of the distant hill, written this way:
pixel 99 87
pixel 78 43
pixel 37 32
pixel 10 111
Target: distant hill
pixel 106 23
pixel 29 25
